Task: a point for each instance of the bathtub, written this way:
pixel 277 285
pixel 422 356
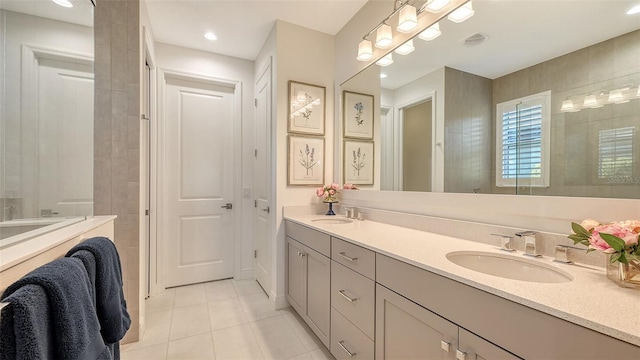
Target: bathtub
pixel 19 230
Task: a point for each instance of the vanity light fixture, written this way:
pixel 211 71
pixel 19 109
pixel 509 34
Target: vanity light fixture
pixel 616 97
pixel 385 61
pixel 431 32
pixel 384 37
pixel 634 10
pixel 365 50
pixel 567 106
pixel 591 101
pixel 408 19
pixel 64 3
pixel 638 93
pixel 436 5
pixel 462 13
pixel 210 36
pixel 406 48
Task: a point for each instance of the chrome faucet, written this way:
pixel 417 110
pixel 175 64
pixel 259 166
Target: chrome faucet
pixel 531 244
pixel 505 242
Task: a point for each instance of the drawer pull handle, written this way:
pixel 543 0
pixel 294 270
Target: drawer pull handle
pixel 461 355
pixel 301 254
pixel 445 345
pixel 341 292
pixel 346 257
pixel 341 343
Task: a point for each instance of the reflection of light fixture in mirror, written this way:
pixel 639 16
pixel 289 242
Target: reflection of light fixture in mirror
pixel 615 96
pixel 408 19
pixel 431 32
pixel 436 5
pixel 406 48
pixel 590 101
pixel 384 38
pixel 385 61
pixel 462 13
pixel 567 106
pixel 210 36
pixel 638 94
pixel 316 101
pixel 634 10
pixel 365 51
pixel 383 76
pixel 65 3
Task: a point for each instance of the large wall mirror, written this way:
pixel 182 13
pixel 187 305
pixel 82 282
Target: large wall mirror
pixel 46 116
pixel 525 97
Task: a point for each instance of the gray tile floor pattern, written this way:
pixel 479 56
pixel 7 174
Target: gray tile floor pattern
pixel 225 319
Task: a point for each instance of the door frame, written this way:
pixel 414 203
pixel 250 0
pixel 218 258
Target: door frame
pixel 162 75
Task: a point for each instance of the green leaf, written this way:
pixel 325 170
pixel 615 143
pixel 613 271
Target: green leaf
pixel 615 242
pixel 580 231
pixel 623 258
pixel 615 257
pixel 576 238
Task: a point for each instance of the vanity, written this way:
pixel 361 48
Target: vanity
pixel 375 290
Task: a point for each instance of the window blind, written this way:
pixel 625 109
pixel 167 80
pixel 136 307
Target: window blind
pixel 522 143
pixel 615 149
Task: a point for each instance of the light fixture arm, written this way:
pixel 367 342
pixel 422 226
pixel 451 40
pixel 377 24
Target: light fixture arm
pixel 396 9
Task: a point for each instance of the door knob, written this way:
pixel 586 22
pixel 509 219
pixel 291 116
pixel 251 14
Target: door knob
pixel 227 206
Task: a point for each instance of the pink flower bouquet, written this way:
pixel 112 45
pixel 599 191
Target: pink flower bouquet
pixel 621 239
pixel 328 191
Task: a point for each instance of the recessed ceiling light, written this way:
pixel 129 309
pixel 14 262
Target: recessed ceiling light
pixel 383 75
pixel 210 36
pixel 65 3
pixel 634 10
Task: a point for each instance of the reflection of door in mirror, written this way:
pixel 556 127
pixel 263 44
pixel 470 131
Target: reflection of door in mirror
pixel 416 147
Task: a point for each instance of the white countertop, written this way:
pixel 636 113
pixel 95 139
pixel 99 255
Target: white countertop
pixel 590 300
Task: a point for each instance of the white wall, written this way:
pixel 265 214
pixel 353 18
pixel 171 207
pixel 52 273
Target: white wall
pixel 540 213
pixel 200 63
pixel 302 55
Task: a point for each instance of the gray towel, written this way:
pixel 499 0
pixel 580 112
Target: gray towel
pixel 110 303
pixel 51 315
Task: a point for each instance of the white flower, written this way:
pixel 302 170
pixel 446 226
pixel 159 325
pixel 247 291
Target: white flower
pixel 589 224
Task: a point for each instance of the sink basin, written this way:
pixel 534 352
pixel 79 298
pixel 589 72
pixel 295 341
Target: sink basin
pixel 333 221
pixel 509 267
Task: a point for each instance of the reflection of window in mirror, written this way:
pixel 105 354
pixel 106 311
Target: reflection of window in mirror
pixel 522 141
pixel 615 150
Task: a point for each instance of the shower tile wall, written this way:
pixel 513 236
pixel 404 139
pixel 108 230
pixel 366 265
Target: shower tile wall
pixel 117 125
pixel 604 66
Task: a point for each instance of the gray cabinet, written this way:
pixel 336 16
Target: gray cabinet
pixel 473 347
pixel 308 284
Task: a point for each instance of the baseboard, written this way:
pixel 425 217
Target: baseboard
pixel 278 302
pixel 244 274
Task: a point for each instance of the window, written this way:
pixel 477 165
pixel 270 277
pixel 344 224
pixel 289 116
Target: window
pixel 522 141
pixel 615 150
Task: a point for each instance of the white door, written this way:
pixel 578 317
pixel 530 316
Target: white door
pixel 197 181
pixel 65 137
pixel 262 245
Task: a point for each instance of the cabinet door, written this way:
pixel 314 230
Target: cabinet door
pixel 405 330
pixel 296 274
pixel 473 347
pixel 318 293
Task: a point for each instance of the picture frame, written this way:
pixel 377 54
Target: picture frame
pixel 307 103
pixel 357 115
pixel 359 162
pixel 305 165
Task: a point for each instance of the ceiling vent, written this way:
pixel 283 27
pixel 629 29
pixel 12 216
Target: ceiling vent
pixel 475 39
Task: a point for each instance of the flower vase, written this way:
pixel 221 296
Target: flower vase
pixel 625 275
pixel 330 201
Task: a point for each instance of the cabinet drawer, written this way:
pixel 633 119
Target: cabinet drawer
pixel 353 295
pixel 347 342
pixel 316 240
pixel 354 257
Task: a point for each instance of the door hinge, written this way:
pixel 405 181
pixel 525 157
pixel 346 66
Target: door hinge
pixel 144 117
pixel 255 152
pixel 255 203
pixel 146 212
pixel 255 102
pixel 255 254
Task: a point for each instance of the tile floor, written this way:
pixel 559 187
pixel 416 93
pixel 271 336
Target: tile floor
pixel 225 319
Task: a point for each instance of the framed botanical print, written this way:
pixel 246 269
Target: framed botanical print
pixel 306 160
pixel 306 108
pixel 358 162
pixel 357 115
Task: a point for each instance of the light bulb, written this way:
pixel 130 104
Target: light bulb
pixel 638 94
pixel 567 106
pixel 384 37
pixel 365 50
pixel 405 48
pixel 616 97
pixel 462 13
pixel 407 20
pixel 590 101
pixel 431 32
pixel 436 5
pixel 385 61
